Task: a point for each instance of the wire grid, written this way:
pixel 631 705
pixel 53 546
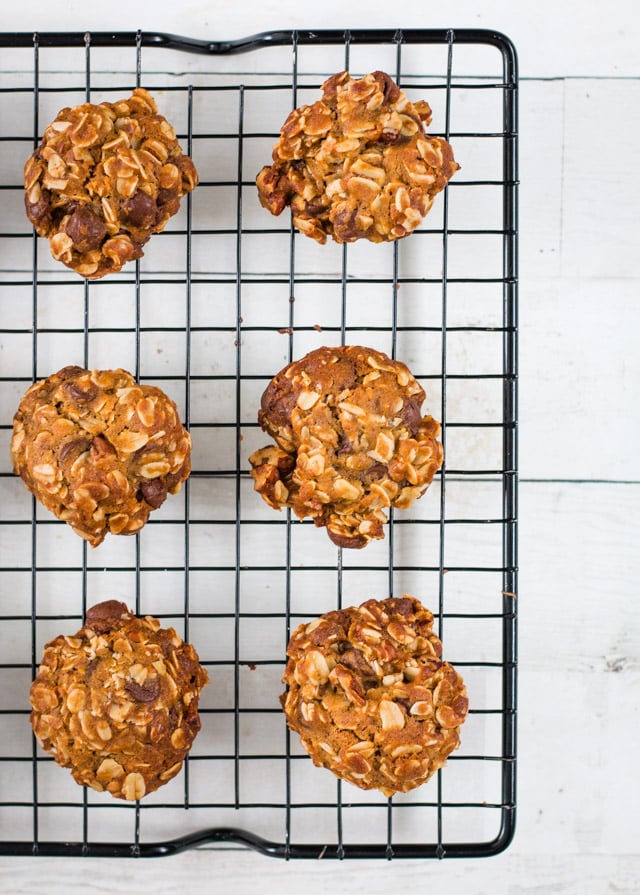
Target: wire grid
pixel 222 299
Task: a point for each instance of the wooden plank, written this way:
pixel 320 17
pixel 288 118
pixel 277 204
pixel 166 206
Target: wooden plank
pixel 580 567
pixel 542 108
pixel 601 192
pixel 579 224
pixel 579 672
pixel 561 38
pixel 240 873
pixel 579 374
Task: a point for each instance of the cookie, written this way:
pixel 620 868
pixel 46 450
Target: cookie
pixel 358 163
pixel 351 441
pixel 99 450
pixel 104 179
pixel 370 696
pixel 117 702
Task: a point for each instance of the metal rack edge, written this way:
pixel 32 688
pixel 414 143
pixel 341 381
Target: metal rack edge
pixel 262 39
pixel 239 837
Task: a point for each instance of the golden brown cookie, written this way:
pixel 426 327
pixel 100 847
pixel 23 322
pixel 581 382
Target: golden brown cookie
pixel 358 163
pixel 370 696
pixel 99 450
pixel 351 438
pixel 103 180
pixel 117 702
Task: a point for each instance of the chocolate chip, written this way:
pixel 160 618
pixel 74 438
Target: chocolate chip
pixel 345 446
pixel 86 229
pixel 91 669
pixel 146 692
pixel 78 393
pixel 356 542
pixel 389 87
pixel 315 207
pixel 140 211
pixel 74 445
pixel 154 492
pixel 168 200
pixel 102 615
pixel 344 224
pixel 39 212
pixel 402 606
pixel 411 416
pixel 375 471
pixel 70 372
pixel 355 660
pixel 101 447
pixel 276 406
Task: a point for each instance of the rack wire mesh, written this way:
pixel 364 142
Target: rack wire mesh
pixel 220 302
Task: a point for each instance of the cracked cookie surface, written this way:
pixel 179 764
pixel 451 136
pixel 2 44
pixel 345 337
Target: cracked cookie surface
pixel 104 179
pixel 351 441
pixel 117 702
pixel 99 450
pixel 370 696
pixel 358 163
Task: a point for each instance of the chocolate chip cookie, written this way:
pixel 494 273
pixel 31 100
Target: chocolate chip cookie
pixel 351 441
pixel 370 696
pixel 99 450
pixel 117 702
pixel 358 163
pixel 104 179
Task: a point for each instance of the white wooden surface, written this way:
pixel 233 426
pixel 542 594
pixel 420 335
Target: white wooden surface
pixel 580 493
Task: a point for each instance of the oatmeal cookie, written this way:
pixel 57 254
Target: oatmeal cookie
pixel 351 441
pixel 358 163
pixel 99 450
pixel 370 696
pixel 117 702
pixel 103 180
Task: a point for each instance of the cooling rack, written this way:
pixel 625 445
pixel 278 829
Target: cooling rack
pixel 220 302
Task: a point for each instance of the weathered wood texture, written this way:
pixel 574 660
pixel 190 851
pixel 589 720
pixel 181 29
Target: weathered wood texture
pixel 579 783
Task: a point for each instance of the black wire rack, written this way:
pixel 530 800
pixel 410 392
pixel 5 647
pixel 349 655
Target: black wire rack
pixel 222 299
